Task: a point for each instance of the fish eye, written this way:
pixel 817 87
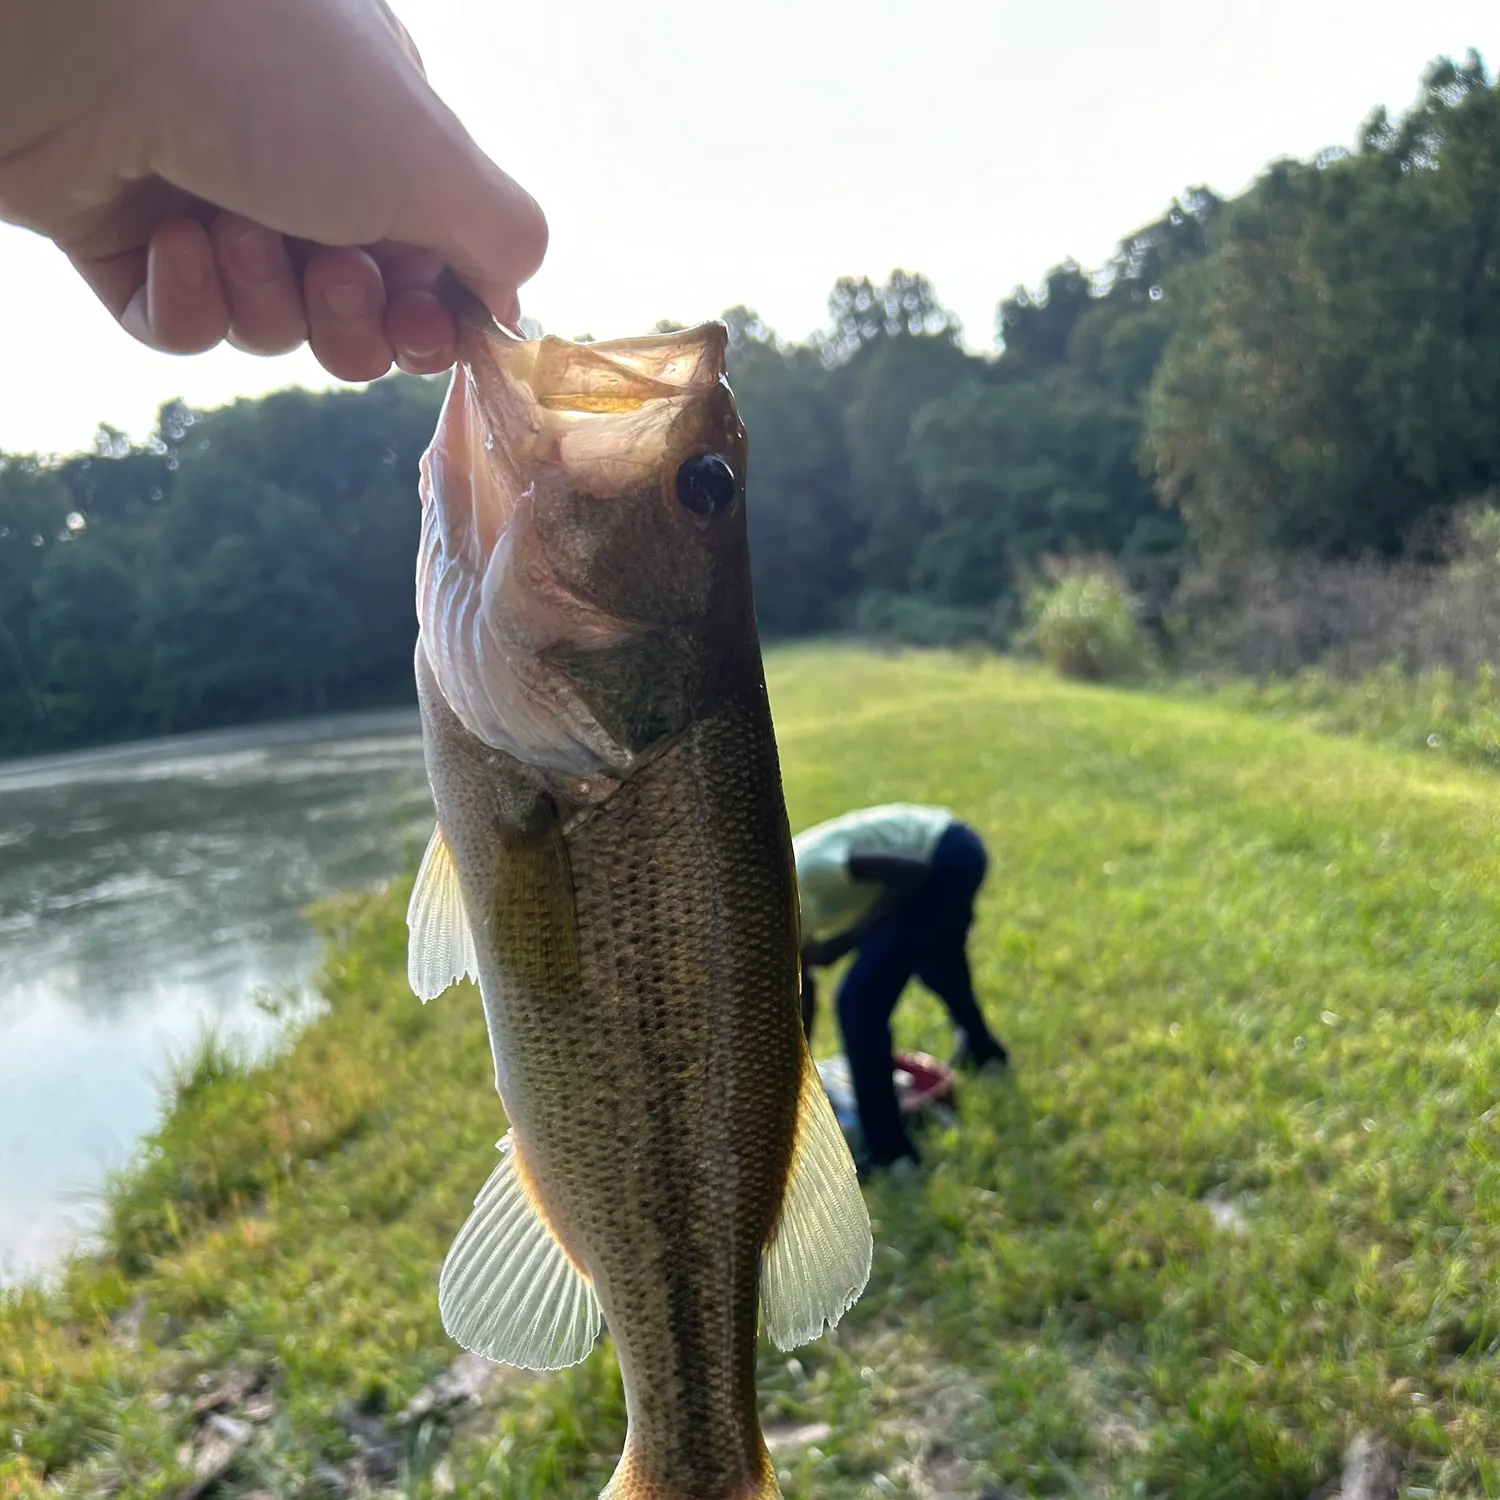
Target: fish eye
pixel 705 486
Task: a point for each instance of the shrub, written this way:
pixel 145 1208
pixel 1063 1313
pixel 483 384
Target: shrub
pixel 1085 625
pixel 1435 609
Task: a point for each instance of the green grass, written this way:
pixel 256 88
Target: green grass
pixel 1437 713
pixel 1250 977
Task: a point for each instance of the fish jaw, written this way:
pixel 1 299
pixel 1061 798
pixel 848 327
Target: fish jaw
pixel 487 611
pixel 552 532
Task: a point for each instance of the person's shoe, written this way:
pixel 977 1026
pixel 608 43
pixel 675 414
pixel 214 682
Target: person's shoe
pixel 991 1061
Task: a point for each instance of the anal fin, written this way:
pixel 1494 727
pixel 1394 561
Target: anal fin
pixel 817 1260
pixel 440 944
pixel 508 1290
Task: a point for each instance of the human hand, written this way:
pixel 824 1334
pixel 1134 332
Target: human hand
pixel 818 955
pixel 267 173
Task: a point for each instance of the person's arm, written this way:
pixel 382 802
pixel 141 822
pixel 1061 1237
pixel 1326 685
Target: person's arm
pixel 899 875
pixel 267 172
pixel 893 869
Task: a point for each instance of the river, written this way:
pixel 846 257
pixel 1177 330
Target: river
pixel 149 892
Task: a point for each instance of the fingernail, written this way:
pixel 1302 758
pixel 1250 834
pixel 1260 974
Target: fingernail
pixel 424 350
pixel 254 253
pixel 349 299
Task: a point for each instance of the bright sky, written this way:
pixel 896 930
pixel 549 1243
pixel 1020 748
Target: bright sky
pixel 693 157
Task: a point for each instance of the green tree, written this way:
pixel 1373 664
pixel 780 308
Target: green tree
pixel 891 349
pixel 883 387
pixel 1040 455
pixel 34 510
pixel 862 312
pixel 1335 377
pixel 802 531
pixel 1035 329
pixel 243 562
pixel 1020 470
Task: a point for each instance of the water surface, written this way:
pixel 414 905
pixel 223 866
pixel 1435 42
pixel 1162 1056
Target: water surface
pixel 148 892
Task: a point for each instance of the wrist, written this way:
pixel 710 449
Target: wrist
pixel 68 71
pixel 58 59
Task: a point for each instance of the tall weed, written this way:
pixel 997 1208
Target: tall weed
pixel 1085 625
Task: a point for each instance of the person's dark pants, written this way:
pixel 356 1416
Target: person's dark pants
pixel 927 937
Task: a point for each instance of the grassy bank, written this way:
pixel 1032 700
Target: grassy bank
pixel 1437 713
pixel 1240 1202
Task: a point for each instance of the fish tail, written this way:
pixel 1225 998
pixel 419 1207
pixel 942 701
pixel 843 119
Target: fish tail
pixel 769 1490
pixel 632 1480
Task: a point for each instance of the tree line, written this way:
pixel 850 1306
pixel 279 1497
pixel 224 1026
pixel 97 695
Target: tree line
pixel 1311 369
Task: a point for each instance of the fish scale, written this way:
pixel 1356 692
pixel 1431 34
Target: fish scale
pixel 714 1081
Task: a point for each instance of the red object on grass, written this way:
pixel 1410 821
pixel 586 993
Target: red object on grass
pixel 926 1080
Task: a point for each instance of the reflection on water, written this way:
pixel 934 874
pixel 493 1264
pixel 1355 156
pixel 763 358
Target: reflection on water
pixel 149 891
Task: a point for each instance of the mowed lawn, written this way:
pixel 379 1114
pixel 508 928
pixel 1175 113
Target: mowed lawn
pixel 1239 1203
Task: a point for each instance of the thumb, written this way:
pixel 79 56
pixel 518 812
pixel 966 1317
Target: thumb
pixel 461 206
pixel 403 37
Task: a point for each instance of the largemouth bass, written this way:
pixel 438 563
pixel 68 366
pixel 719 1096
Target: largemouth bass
pixel 613 864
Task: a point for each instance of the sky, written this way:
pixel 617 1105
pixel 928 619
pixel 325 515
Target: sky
pixel 693 158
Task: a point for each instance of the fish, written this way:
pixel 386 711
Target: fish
pixel 612 863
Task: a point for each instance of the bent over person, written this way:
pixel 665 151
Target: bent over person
pixel 895 885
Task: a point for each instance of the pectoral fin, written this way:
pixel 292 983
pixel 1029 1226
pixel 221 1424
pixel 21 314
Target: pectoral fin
pixel 508 1290
pixel 440 948
pixel 817 1260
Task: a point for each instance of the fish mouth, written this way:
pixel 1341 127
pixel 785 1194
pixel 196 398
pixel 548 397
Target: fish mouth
pixel 608 377
pixel 622 375
pixel 599 413
pixel 525 419
pixel 616 375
